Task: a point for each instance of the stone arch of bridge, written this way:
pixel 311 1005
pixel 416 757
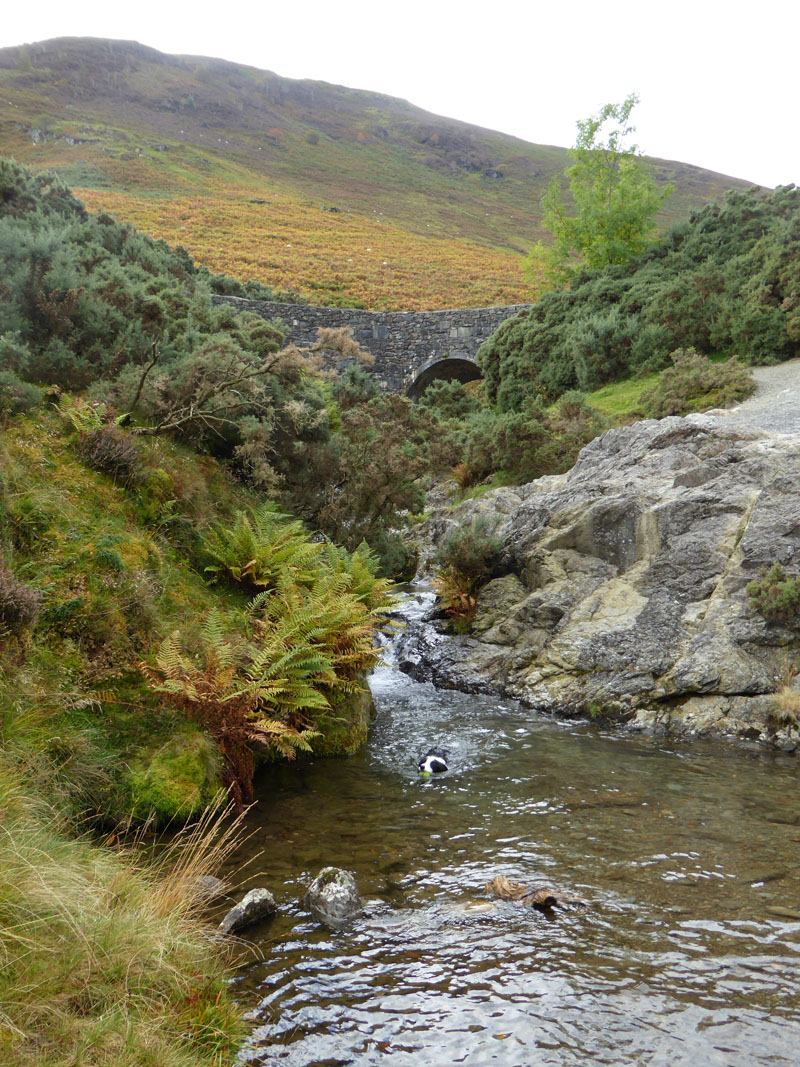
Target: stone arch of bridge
pixel 452 368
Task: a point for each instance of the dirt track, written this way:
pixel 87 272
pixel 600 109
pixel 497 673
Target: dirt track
pixel 776 404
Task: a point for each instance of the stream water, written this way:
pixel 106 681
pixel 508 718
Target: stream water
pixel 689 856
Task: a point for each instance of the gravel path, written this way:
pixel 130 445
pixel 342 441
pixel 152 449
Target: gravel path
pixel 775 405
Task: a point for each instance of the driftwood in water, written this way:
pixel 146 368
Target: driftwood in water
pixel 536 896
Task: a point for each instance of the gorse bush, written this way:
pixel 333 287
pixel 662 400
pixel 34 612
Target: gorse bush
pixel 88 302
pixel 694 383
pixel 472 551
pixel 17 396
pixel 466 560
pixel 524 443
pixel 727 279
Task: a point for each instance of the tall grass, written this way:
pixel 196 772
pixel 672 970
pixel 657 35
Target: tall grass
pixel 102 960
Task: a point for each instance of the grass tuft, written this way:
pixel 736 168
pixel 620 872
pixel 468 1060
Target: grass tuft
pixel 103 961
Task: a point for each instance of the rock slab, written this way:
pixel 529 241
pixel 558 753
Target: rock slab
pixel 254 906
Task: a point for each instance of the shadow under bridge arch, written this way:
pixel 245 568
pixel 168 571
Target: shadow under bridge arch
pixel 451 368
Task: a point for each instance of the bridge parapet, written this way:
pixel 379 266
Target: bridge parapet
pixel 404 343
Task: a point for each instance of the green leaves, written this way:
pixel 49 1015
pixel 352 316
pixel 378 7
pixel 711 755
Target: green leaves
pixel 615 198
pixel 263 550
pixel 273 679
pixel 726 280
pixel 776 596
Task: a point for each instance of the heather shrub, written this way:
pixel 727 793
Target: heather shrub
pixel 113 452
pixel 694 383
pixel 19 603
pixel 776 596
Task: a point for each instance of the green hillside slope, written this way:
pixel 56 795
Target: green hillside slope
pixel 341 194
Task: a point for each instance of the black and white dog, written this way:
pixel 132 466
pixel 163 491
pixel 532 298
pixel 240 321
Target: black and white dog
pixel 433 762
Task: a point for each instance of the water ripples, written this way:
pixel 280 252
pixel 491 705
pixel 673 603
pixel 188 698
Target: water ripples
pixel 679 851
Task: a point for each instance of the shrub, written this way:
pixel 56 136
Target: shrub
pixel 466 560
pixel 463 476
pixel 456 598
pixel 726 279
pixel 113 452
pixel 694 383
pixel 776 596
pixel 14 353
pixel 19 603
pixel 16 396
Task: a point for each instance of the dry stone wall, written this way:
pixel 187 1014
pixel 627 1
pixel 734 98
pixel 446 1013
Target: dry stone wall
pixel 404 343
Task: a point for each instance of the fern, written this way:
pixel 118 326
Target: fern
pixel 361 566
pixel 262 550
pixel 308 639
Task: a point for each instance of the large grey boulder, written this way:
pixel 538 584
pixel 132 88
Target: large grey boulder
pixel 333 896
pixel 254 906
pixel 625 591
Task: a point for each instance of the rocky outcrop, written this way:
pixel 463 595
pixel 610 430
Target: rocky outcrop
pixel 622 587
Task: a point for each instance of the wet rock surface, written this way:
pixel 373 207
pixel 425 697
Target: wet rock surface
pixel 255 906
pixel 625 592
pixel 333 897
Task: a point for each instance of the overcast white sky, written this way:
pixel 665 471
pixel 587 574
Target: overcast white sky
pixel 718 79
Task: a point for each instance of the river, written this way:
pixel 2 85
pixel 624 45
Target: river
pixel 687 952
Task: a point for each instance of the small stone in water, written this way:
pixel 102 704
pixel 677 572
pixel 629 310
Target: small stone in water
pixel 783 913
pixel 256 905
pixel 332 897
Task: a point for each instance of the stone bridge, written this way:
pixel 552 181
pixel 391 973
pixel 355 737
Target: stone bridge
pixel 411 348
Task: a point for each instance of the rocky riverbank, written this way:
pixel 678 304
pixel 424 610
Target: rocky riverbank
pixel 621 591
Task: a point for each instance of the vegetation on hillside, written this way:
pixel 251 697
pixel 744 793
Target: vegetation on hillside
pixel 162 627
pixel 343 195
pixel 95 305
pixel 724 282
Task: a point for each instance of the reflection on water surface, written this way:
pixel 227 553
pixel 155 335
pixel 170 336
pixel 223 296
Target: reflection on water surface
pixel 690 857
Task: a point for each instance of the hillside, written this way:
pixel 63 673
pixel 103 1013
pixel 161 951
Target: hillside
pixel 342 195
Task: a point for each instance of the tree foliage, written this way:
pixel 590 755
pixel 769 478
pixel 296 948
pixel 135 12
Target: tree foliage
pixel 614 198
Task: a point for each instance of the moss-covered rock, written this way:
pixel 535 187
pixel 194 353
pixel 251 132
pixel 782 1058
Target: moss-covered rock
pixel 177 780
pixel 346 730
